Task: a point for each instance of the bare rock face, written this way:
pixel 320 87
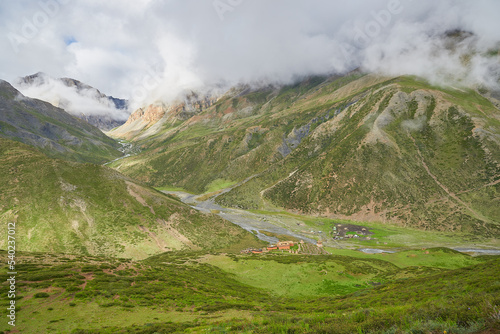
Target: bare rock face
pixel 149 114
pixel 147 120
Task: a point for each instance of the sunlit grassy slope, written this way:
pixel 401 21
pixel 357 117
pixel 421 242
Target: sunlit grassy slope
pixel 89 209
pixel 182 292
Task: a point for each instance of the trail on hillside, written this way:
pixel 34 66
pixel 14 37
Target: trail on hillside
pixel 442 186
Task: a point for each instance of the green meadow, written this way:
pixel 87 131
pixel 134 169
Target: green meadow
pixel 200 292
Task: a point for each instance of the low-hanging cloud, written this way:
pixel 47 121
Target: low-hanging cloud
pixel 154 50
pixel 77 101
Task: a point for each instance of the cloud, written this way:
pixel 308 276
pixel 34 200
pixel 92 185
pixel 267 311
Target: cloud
pixel 75 100
pixel 153 50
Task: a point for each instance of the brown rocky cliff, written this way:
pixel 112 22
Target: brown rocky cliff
pixel 182 110
pixel 150 114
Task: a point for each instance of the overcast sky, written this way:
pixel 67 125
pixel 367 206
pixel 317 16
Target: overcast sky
pixel 147 50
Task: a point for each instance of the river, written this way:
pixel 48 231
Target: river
pixel 250 221
pixel 278 224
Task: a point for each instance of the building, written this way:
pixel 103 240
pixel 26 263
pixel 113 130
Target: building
pixel 284 245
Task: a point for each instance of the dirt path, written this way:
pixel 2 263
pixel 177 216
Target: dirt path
pixel 494 183
pixel 442 186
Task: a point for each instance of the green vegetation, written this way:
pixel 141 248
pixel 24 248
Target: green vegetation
pixel 53 131
pixel 218 184
pixel 197 292
pixel 443 258
pixel 359 147
pixel 59 206
pixel 302 276
pixel 414 164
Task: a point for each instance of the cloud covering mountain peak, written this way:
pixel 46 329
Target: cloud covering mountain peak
pixel 153 50
pixel 75 97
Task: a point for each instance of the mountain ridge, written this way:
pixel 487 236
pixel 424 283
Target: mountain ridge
pixel 67 207
pixel 395 133
pixel 51 129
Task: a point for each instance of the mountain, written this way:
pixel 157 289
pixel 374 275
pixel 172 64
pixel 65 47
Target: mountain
pixel 77 98
pixel 66 207
pixel 361 147
pixel 51 129
pixel 159 117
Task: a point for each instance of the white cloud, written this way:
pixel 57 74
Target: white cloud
pixel 147 50
pixel 76 101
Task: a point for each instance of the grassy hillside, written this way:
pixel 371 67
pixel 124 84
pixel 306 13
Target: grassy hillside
pixel 52 130
pixel 358 147
pixel 412 157
pixel 74 208
pixel 182 292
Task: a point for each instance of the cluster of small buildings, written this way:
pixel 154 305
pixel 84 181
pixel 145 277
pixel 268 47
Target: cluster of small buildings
pixel 281 245
pixel 350 231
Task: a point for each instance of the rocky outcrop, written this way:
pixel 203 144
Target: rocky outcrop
pixel 150 114
pixel 293 139
pixel 145 121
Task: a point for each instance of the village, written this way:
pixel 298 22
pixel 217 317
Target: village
pixel 349 231
pixel 339 232
pixel 290 247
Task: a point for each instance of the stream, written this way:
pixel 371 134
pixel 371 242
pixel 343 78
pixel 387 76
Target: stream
pixel 255 222
pixel 127 149
pixel 249 221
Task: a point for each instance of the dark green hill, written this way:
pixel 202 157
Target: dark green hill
pixel 52 130
pixel 69 207
pixel 360 147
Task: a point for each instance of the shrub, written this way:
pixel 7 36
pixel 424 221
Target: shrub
pixel 41 295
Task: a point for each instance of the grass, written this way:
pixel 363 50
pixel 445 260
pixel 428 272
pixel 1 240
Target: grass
pixel 389 235
pixel 88 209
pixel 301 276
pixel 219 184
pixel 428 257
pixel 206 292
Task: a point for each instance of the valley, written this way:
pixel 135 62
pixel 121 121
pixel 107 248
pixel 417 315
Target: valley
pixel 305 147
pixel 391 183
pixel 388 238
pixel 250 167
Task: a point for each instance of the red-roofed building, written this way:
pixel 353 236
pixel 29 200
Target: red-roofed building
pixel 285 245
